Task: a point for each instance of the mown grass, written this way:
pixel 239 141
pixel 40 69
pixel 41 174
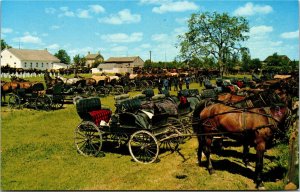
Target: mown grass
pixel 38 153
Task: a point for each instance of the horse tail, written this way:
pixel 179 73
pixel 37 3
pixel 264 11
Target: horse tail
pixel 196 114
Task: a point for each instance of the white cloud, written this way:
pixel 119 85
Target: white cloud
pixel 250 9
pixel 27 38
pixel 54 27
pixel 66 12
pixel 53 46
pixel 6 30
pixel 81 51
pixel 145 46
pixel 119 49
pixel 260 30
pixel 50 10
pixel 122 37
pixel 122 17
pixel 96 9
pixel 160 37
pixel 178 6
pixel 290 35
pixel 83 14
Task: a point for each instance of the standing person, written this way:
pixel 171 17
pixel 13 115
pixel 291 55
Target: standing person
pixel 175 81
pixel 200 80
pixel 187 82
pixel 180 82
pixel 166 84
pixel 170 79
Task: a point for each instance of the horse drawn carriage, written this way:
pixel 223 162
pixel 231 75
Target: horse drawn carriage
pixel 145 131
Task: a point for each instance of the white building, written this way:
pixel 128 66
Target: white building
pixel 121 64
pixel 29 59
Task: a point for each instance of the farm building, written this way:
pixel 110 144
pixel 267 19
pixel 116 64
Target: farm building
pixel 121 64
pixel 29 59
pixel 92 58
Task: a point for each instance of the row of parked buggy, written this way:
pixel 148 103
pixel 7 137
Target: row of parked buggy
pixel 146 123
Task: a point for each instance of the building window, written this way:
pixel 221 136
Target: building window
pixel 30 65
pixel 25 65
pixel 42 64
pixel 37 65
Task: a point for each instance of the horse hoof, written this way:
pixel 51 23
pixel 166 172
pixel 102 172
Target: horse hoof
pixel 211 171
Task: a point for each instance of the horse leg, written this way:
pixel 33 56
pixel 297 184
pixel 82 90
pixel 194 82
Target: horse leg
pixel 260 148
pixel 246 153
pixel 201 143
pixel 207 151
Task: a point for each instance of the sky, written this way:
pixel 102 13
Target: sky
pixel 136 27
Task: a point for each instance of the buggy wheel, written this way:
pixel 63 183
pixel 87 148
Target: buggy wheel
pixel 14 101
pixel 143 147
pixel 58 102
pixel 43 102
pixel 119 90
pixel 187 124
pixel 132 86
pixel 88 139
pixel 90 91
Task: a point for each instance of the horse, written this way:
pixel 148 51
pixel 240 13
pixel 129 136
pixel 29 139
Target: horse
pixel 72 81
pixel 256 127
pixel 50 82
pixel 8 87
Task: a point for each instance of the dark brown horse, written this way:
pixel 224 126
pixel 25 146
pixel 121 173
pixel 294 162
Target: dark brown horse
pixel 50 82
pixel 256 127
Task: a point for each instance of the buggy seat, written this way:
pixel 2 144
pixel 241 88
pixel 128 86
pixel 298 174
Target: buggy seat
pixel 90 109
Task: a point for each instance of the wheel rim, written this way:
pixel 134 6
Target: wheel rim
pixel 143 147
pixel 13 101
pixel 39 104
pixel 88 139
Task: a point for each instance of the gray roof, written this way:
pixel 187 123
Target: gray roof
pixel 33 55
pixel 93 56
pixel 121 59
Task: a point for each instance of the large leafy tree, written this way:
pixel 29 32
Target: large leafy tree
pixel 78 63
pixel 4 44
pixel 213 35
pixel 63 56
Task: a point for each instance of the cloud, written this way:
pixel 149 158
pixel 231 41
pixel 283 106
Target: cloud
pixel 260 30
pixel 50 10
pixel 175 6
pixel 250 9
pixel 290 35
pixel 159 37
pixel 27 38
pixel 96 9
pixel 145 46
pixel 6 30
pixel 122 37
pixel 83 14
pixel 65 12
pixel 54 27
pixel 182 21
pixel 122 17
pixel 53 46
pixel 119 49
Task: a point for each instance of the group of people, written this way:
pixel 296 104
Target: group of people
pixel 177 82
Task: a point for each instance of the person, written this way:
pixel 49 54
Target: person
pixel 175 81
pixel 180 83
pixel 170 83
pixel 200 80
pixel 187 82
pixel 166 84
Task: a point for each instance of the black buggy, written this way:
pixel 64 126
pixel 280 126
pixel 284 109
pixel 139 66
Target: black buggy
pixel 144 132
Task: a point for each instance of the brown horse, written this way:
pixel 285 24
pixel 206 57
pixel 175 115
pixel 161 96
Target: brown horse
pixel 256 127
pixel 8 87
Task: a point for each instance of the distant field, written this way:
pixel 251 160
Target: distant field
pixel 38 153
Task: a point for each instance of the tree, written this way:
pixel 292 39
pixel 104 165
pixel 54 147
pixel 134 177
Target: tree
pixel 4 45
pixel 255 64
pixel 213 34
pixel 246 59
pixel 63 56
pixel 78 62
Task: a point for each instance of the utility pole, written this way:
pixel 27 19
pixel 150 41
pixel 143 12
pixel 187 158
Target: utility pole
pixel 150 56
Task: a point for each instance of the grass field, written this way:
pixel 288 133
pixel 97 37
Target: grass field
pixel 38 153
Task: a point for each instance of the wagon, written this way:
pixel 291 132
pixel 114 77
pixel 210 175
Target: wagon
pixel 32 98
pixel 142 131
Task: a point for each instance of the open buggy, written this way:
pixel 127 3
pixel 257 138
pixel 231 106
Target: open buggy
pixel 144 131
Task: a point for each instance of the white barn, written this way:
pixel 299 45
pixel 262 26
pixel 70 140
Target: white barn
pixel 121 64
pixel 29 59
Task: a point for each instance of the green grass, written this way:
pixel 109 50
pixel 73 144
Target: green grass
pixel 38 153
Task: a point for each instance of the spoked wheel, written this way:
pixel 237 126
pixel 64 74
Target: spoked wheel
pixel 132 86
pixel 102 91
pixel 90 91
pixel 14 101
pixel 178 128
pixel 119 90
pixel 58 102
pixel 43 102
pixel 187 123
pixel 88 139
pixel 143 147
